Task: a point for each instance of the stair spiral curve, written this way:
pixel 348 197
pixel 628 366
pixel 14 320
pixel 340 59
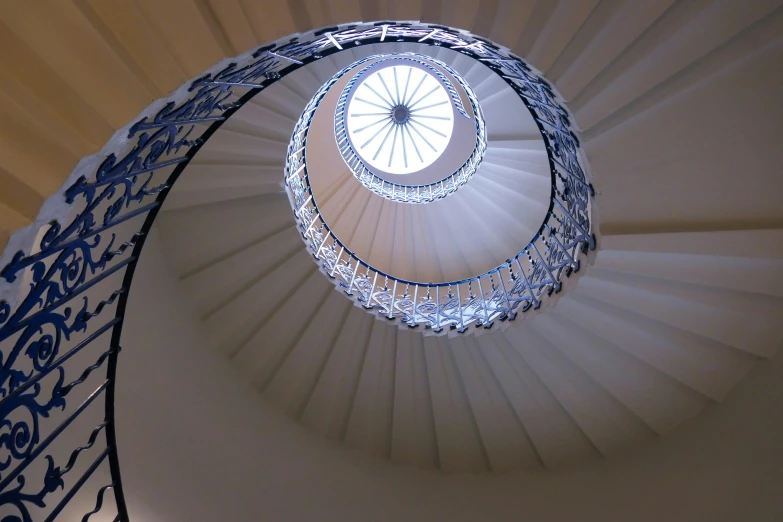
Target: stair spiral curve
pixel 676 108
pixel 675 103
pixel 626 352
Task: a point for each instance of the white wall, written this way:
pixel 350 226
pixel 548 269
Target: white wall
pixel 197 444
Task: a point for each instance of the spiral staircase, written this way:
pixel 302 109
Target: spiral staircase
pixel 679 300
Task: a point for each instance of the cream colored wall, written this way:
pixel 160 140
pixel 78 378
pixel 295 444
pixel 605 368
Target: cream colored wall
pixel 196 443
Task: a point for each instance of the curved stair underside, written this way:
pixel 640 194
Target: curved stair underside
pixel 682 298
pixel 677 103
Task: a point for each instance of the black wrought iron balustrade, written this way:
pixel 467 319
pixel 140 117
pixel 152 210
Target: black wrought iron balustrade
pixel 61 332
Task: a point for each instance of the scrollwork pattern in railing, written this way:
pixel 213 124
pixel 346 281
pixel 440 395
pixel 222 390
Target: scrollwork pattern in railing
pixel 60 340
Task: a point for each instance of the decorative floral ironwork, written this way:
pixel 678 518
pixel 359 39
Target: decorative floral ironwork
pixel 91 258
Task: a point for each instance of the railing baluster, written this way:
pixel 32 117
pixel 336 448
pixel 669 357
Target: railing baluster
pixel 505 293
pixel 536 302
pixel 437 307
pixel 369 304
pixel 394 296
pixel 336 261
pixel 483 303
pixel 571 218
pixel 353 277
pixel 76 487
pixel 312 223
pixel 53 435
pixel 555 283
pixel 415 303
pixel 461 312
pixel 318 252
pixel 553 235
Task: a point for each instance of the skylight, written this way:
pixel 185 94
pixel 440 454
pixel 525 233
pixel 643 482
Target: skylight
pixel 400 119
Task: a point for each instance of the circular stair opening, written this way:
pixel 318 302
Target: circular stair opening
pixel 400 119
pixel 390 108
pixel 407 121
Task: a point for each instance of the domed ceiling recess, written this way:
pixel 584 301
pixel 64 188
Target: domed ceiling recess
pixel 410 129
pixel 398 116
pixel 403 114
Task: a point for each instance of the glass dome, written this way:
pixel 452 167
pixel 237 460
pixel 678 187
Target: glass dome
pixel 400 119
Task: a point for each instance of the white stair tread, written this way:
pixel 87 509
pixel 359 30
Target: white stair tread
pixel 608 424
pixel 196 237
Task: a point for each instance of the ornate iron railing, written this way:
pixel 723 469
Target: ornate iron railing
pixel 399 191
pixel 61 322
pixel 517 285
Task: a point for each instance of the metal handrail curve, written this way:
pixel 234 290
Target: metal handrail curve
pixel 518 284
pixel 67 293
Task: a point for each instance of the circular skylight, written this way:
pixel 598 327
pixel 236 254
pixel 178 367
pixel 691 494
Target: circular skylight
pixel 400 119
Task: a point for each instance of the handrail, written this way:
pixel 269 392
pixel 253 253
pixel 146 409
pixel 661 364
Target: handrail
pixel 73 284
pixel 540 265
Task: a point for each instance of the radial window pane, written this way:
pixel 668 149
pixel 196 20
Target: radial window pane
pixel 400 119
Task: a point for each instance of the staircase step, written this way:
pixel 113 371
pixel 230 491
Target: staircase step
pixel 261 357
pixel 253 118
pixel 502 435
pixel 413 427
pixel 213 285
pixel 747 275
pixel 660 401
pixel 370 424
pixel 725 243
pixel 459 441
pixel 707 366
pixel 762 311
pixel 329 408
pixel 196 237
pixel 685 34
pixel 613 38
pixel 745 333
pixel 564 23
pixel 605 421
pixel 291 386
pixel 237 321
pixel 557 439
